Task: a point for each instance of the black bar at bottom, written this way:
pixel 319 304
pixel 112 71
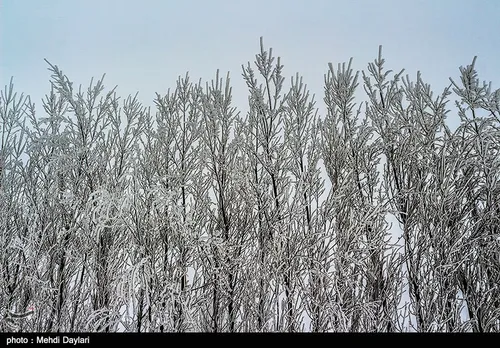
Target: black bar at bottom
pixel 169 339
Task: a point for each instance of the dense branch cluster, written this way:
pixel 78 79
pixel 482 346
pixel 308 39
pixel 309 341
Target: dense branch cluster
pixel 195 217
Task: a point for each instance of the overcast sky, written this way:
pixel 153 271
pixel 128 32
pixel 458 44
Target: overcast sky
pixel 145 45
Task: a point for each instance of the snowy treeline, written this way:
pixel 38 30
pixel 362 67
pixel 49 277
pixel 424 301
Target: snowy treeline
pixel 196 217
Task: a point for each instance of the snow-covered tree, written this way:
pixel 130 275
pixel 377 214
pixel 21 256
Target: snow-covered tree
pixel 196 217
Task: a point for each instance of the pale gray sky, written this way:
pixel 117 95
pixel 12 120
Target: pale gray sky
pixel 145 45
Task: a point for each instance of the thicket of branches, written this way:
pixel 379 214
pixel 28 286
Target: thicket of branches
pixel 195 217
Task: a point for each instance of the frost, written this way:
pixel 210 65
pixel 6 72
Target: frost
pixel 374 216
